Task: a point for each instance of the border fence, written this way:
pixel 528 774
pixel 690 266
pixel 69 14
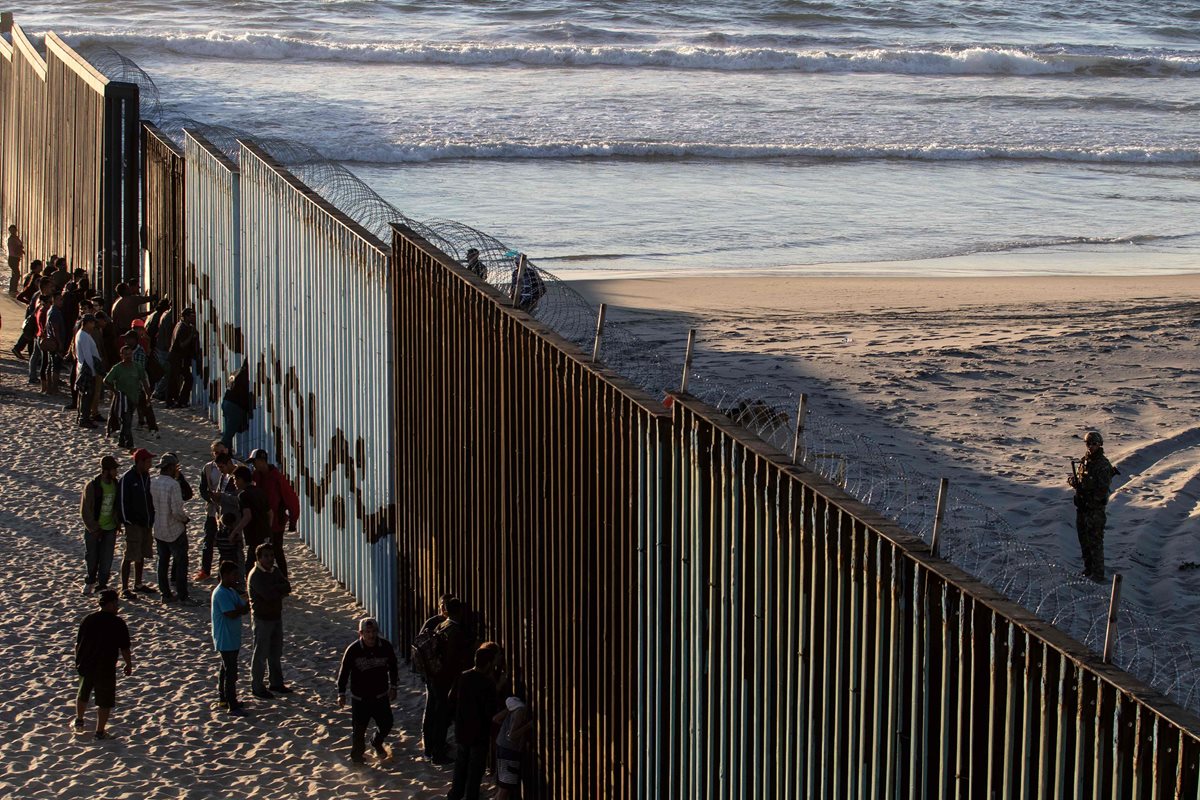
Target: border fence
pixel 693 614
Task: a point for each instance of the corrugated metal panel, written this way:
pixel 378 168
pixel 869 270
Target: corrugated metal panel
pixel 213 246
pixel 6 129
pixel 318 329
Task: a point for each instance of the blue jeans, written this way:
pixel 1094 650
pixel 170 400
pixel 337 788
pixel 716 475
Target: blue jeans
pixel 35 363
pixel 468 772
pixel 268 654
pixel 99 550
pixel 173 555
pixel 227 677
pixel 164 361
pixel 233 417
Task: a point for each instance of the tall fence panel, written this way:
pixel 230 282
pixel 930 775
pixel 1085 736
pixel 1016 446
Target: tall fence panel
pixel 6 128
pixel 213 246
pixel 25 147
pixel 75 119
pixel 527 484
pixel 318 329
pixel 821 651
pixel 163 202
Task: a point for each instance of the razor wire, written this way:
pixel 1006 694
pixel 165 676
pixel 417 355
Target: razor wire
pixel 974 536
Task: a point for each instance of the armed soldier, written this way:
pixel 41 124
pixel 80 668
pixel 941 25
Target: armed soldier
pixel 1091 478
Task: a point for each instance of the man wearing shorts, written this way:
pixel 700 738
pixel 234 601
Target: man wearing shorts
pixel 137 513
pixel 102 635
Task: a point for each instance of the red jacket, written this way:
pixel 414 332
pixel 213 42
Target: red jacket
pixel 281 498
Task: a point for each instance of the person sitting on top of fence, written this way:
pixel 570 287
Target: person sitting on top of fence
pixel 533 288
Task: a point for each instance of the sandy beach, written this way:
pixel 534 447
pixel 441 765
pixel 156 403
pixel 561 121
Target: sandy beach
pixel 170 742
pixel 991 382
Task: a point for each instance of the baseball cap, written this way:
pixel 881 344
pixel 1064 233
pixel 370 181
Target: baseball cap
pixel 168 460
pixel 255 455
pixel 139 323
pixel 108 462
pixel 142 453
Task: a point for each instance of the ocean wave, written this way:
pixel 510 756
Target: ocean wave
pixel 418 152
pixel 914 61
pixel 1040 243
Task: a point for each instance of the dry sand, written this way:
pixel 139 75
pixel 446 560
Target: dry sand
pixel 170 742
pixel 988 381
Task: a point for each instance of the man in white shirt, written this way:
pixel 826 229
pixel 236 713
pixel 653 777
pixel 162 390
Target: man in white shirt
pixel 90 366
pixel 170 531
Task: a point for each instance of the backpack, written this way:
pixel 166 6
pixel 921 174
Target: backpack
pixel 429 652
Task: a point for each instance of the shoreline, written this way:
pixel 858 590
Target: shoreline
pixel 796 293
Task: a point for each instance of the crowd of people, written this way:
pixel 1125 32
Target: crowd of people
pixel 123 358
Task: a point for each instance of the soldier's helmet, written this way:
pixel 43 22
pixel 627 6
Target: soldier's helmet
pixel 1094 437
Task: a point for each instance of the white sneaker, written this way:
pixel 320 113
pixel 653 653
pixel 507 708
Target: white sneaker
pixel 89 589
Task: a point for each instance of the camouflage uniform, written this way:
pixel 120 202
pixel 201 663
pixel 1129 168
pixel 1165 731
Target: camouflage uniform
pixel 1091 496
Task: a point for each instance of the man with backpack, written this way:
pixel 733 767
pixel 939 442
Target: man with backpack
pixel 442 653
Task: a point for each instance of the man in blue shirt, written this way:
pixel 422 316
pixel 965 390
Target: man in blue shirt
pixel 227 612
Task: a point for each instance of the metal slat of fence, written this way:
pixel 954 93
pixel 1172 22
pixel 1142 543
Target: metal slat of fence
pixel 971 697
pixel 163 202
pixel 318 331
pixel 25 155
pixel 549 537
pixel 212 235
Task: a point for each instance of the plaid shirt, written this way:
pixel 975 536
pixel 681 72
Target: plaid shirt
pixel 139 356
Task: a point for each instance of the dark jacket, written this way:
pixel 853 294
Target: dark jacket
pixel 135 505
pixel 267 590
pixel 1095 481
pixel 368 672
pixel 458 655
pixel 92 500
pixel 238 392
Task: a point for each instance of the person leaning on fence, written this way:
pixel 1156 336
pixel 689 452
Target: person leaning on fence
pixel 160 328
pixel 125 309
pixel 370 674
pixel 516 729
pixel 450 652
pixel 267 587
pixel 475 700
pixel 237 405
pixel 101 520
pixel 16 251
pixel 128 381
pixel 136 509
pixel 533 288
pixel 102 636
pixel 181 358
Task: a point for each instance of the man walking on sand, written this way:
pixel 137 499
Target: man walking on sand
pixel 128 381
pixel 267 586
pixel 16 251
pixel 227 612
pixel 170 531
pixel 98 507
pixel 1092 483
pixel 137 515
pixel 102 635
pixel 369 671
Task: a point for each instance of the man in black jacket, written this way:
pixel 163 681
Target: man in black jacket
pixel 370 672
pixel 267 586
pixel 185 348
pixel 137 514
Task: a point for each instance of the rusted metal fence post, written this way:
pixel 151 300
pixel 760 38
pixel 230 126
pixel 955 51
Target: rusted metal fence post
pixel 939 515
pixel 516 287
pixel 687 360
pixel 599 332
pixel 798 440
pixel 1110 635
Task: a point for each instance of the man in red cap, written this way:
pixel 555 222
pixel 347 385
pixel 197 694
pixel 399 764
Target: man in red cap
pixel 282 501
pixel 137 514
